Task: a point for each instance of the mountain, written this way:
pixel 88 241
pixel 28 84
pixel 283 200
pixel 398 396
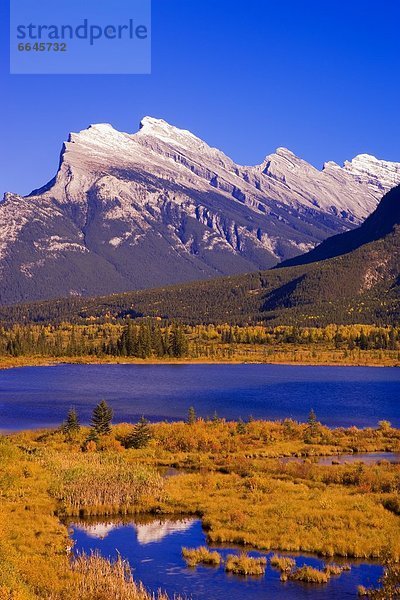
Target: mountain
pixel 132 211
pixel 360 284
pixel 379 224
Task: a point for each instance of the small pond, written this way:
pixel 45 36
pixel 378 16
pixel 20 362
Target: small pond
pixel 153 549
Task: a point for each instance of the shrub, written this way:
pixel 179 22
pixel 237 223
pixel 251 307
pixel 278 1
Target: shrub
pixel 393 504
pixel 89 446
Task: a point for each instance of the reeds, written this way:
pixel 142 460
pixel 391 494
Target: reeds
pixel 243 564
pixel 103 484
pixel 309 575
pixel 102 579
pixel 336 569
pixel 284 563
pixel 201 555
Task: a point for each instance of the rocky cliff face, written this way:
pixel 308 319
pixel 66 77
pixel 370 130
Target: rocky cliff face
pixel 161 206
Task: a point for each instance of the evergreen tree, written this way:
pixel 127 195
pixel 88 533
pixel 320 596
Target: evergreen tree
pixel 71 425
pixel 312 426
pixel 127 344
pixel 144 341
pixel 140 436
pixel 157 341
pixel 101 419
pixel 191 416
pixel 241 427
pixel 312 418
pixel 178 343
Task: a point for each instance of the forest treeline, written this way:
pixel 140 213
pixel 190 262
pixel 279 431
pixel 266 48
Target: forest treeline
pixel 153 338
pixel 308 295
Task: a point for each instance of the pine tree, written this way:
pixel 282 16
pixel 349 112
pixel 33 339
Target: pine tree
pixel 312 418
pixel 178 343
pixel 144 341
pixel 241 427
pixel 191 416
pixel 312 426
pixel 71 425
pixel 127 343
pixel 157 341
pixel 140 436
pixel 101 419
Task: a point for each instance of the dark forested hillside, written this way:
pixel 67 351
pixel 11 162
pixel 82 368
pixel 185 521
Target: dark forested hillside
pixel 360 286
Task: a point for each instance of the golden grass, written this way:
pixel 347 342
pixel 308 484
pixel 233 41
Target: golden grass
pixel 309 575
pixel 224 354
pixel 101 579
pixel 244 493
pixel 34 545
pixel 201 555
pixel 335 569
pixel 284 563
pixel 243 564
pixel 294 516
pixel 102 484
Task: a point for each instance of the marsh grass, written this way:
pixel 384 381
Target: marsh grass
pixel 284 563
pixel 201 555
pixel 102 484
pixel 335 569
pixel 102 579
pixel 308 575
pixel 243 564
pixel 236 482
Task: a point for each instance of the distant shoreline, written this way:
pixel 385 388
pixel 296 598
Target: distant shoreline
pixel 34 361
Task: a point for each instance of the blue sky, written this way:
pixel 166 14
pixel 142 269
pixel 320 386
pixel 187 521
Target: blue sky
pixel 322 79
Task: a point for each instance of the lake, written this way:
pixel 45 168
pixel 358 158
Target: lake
pixel 33 397
pixel 153 548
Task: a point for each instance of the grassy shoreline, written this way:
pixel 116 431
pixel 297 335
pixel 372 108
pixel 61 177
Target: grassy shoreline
pixel 281 359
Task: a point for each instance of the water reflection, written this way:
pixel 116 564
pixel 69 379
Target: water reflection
pixel 368 458
pixel 153 547
pixel 146 532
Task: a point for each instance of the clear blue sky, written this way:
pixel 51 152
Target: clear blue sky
pixel 321 78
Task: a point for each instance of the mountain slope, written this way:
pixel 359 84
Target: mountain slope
pixel 361 286
pixel 380 223
pixel 160 207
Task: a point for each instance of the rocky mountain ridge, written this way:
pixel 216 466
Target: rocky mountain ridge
pixel 131 211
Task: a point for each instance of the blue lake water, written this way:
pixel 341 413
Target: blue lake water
pixel 341 396
pixel 153 549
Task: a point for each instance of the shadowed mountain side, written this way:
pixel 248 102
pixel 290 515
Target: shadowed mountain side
pixel 381 222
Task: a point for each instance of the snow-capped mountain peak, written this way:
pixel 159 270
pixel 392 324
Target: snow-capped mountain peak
pixel 160 206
